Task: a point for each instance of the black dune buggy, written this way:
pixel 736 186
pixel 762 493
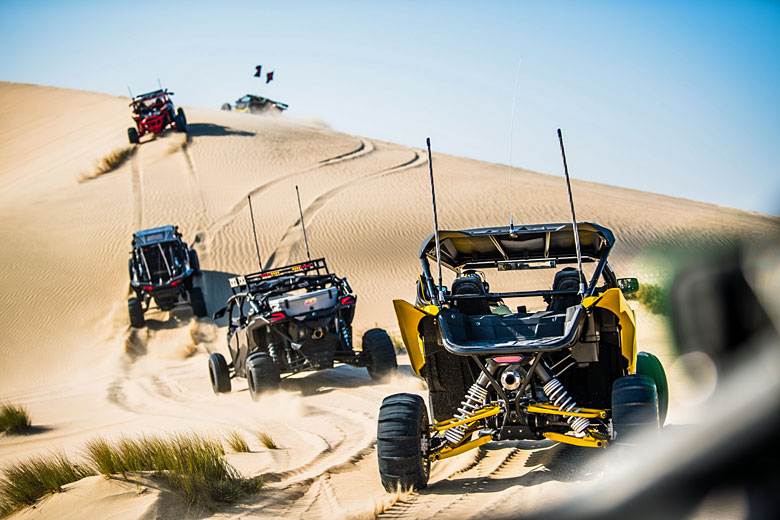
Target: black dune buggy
pixel 566 371
pixel 292 319
pixel 161 269
pixel 153 112
pixel 255 104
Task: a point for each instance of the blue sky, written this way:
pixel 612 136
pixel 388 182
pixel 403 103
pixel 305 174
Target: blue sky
pixel 678 97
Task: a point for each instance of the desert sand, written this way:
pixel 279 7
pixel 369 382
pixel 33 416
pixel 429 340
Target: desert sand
pixel 68 354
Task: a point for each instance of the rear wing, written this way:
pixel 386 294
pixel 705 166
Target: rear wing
pixel 250 282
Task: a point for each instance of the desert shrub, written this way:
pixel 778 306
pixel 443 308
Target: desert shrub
pixel 14 419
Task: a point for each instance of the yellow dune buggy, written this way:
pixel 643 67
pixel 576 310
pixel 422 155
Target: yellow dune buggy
pixel 565 370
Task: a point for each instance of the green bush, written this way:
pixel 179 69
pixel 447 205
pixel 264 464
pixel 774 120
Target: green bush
pixel 23 483
pixel 190 464
pixel 13 419
pixel 653 296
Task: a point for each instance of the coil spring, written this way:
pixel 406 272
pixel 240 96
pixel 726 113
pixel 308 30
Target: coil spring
pixel 475 398
pixel 558 396
pixel 272 352
pixel 345 332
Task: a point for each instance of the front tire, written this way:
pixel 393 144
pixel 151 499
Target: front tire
pixel 132 135
pixel 219 373
pixel 380 354
pixel 402 437
pixel 136 312
pixel 649 365
pixel 634 407
pixel 180 114
pixel 198 302
pixel 262 375
pixel 180 123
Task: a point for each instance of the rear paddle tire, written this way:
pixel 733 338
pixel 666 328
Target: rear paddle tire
pixel 181 123
pixel 194 262
pixel 402 443
pixel 198 302
pixel 380 354
pixel 136 312
pixel 219 374
pixel 634 408
pixel 262 375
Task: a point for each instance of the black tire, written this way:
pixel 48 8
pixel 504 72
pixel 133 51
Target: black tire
pixel 194 262
pixel 649 365
pixel 180 113
pixel 130 268
pixel 262 375
pixel 227 107
pixel 634 407
pixel 219 374
pixel 380 354
pixel 180 124
pixel 132 135
pixel 198 302
pixel 136 312
pixel 401 428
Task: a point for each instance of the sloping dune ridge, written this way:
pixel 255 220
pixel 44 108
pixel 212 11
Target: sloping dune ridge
pixel 67 352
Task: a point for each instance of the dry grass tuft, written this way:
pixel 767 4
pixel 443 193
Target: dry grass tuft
pixel 195 466
pixel 14 419
pixel 23 483
pixel 237 443
pixel 267 441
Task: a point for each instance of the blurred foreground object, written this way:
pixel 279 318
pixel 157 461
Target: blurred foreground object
pixel 727 308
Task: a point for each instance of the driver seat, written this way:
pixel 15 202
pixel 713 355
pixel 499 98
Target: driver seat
pixel 565 279
pixel 471 283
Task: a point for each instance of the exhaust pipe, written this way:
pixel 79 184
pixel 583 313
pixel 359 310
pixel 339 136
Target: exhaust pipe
pixel 511 380
pixel 317 334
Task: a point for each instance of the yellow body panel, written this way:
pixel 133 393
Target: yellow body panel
pixel 613 301
pixel 587 441
pixel 590 413
pixel 409 318
pixel 448 452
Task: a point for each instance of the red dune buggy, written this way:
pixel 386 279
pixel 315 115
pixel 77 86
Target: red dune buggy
pixel 153 112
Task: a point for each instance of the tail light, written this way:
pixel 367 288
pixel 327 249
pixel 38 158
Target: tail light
pixel 175 283
pixel 276 316
pixel 147 287
pixel 508 359
pixel 347 300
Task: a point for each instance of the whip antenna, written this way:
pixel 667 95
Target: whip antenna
pixel 511 134
pixel 435 218
pixel 130 91
pixel 303 226
pixel 573 218
pixel 254 231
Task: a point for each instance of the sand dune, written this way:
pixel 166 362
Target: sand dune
pixel 67 352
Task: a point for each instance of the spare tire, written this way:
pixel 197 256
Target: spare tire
pixel 226 106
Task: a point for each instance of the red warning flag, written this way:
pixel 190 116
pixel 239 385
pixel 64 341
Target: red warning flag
pixel 269 77
pixel 259 71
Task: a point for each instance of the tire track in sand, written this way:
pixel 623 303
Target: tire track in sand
pixel 137 188
pixel 365 147
pixel 294 234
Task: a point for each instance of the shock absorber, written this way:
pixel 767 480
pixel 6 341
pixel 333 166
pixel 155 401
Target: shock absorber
pixel 474 400
pixel 559 397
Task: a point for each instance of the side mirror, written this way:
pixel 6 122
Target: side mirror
pixel 628 285
pixel 220 313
